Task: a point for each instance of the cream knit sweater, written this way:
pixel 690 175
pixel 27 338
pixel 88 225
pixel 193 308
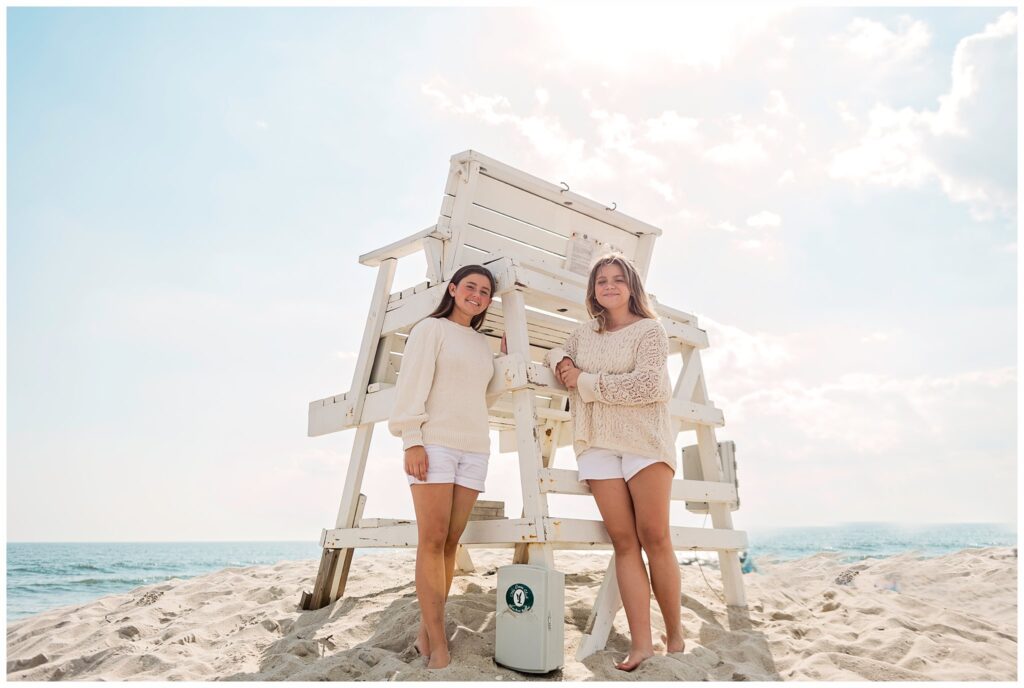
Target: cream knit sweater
pixel 441 397
pixel 621 398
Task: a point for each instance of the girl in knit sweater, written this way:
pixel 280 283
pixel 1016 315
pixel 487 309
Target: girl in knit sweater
pixel 440 413
pixel 615 367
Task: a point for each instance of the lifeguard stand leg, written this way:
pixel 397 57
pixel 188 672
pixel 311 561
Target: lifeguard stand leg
pixel 535 503
pixel 602 615
pixel 333 572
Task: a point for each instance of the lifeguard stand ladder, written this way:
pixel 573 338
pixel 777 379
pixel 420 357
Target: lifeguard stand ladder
pixel 539 240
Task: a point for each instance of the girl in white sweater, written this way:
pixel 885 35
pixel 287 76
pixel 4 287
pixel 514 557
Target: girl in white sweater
pixel 440 413
pixel 616 369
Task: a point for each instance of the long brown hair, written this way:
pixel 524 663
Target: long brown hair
pixel 638 303
pixel 447 305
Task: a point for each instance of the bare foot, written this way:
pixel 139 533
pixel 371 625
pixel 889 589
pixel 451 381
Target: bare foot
pixel 674 645
pixel 422 643
pixel 439 658
pixel 633 659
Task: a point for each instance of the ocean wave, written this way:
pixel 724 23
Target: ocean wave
pixel 87 583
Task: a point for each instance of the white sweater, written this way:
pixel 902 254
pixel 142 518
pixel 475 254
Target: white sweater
pixel 621 397
pixel 441 397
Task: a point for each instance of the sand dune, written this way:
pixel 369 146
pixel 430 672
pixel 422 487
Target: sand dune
pixel 900 618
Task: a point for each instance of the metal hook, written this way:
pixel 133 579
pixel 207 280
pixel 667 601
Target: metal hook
pixel 614 206
pixel 566 187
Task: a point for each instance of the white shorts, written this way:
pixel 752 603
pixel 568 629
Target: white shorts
pixel 447 465
pixel 598 463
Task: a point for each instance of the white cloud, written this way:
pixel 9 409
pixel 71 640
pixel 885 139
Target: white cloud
pixel 890 151
pixel 545 133
pixel 543 97
pixel 615 131
pixel 746 147
pixel 786 177
pixel 764 219
pixel 664 190
pixel 670 127
pixel 961 145
pixel 749 244
pixel 726 227
pixel 871 40
pixel 856 444
pixel 844 113
pixel 777 104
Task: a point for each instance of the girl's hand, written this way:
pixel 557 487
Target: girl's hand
pixel 570 376
pixel 562 366
pixel 416 462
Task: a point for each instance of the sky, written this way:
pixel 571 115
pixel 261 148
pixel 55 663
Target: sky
pixel 188 192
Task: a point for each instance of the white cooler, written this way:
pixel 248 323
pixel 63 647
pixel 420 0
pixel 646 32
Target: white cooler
pixel 530 628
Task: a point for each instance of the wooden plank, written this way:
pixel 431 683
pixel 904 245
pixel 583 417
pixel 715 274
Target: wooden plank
pixel 334 565
pixel 506 407
pixel 535 504
pixel 433 252
pixel 602 615
pixel 371 336
pixel 644 251
pixel 497 246
pixel 684 332
pixel 345 557
pixel 683 537
pixel 349 509
pixel 688 376
pixel 671 313
pixel 542 325
pixel 486 532
pixel 553 216
pixel 468 255
pixel 465 190
pixel 403 247
pixel 413 309
pixel 518 231
pixel 547 289
pixel 696 413
pixel 319 597
pixel 446 205
pixel 721 516
pixel 463 562
pixel 379 522
pixel 328 415
pixel 327 418
pixel 564 481
pixel 545 189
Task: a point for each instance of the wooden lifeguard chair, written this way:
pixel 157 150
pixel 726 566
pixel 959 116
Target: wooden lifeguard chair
pixel 539 240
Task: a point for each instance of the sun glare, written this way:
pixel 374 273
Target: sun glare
pixel 622 38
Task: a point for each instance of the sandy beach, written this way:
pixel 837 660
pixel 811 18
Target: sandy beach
pixel 952 617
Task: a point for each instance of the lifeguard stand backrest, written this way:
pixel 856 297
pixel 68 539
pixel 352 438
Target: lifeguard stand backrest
pixel 493 209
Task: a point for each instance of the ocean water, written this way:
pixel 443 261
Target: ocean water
pixel 45 575
pixel 42 576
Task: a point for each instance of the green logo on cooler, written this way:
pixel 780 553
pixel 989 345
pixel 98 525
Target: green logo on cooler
pixel 519 598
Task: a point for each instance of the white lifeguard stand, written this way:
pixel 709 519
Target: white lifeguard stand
pixel 539 240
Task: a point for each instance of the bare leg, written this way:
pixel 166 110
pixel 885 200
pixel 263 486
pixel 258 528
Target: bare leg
pixel 616 506
pixel 433 503
pixel 651 489
pixel 463 500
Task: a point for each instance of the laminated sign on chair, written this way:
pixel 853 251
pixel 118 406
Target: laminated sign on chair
pixel 538 239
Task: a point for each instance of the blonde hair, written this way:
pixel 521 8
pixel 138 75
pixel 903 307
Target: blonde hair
pixel 638 303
